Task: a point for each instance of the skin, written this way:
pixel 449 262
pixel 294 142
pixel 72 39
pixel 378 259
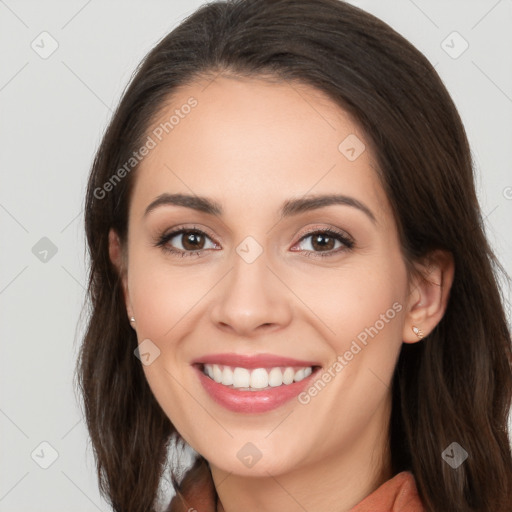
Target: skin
pixel 250 145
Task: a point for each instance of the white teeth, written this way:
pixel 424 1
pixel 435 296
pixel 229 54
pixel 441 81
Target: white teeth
pixel 275 377
pixel 227 376
pixel 297 377
pixel 217 373
pixel 288 376
pixel 258 378
pixel 241 377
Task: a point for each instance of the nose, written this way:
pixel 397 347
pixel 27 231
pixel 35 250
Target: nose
pixel 252 299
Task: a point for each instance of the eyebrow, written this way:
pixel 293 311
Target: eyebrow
pixel 289 208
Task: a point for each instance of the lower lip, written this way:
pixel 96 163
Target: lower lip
pixel 252 401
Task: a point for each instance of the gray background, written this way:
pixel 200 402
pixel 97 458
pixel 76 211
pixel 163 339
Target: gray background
pixel 53 112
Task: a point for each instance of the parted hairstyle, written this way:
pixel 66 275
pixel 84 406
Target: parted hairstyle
pixel 455 384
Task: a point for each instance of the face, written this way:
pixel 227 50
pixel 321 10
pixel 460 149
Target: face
pixel 312 293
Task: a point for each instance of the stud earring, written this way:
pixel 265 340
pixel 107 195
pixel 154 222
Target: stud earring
pixel 417 331
pixel 132 319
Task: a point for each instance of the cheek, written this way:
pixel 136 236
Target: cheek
pixel 162 295
pixel 361 313
pixel 354 302
pixel 163 299
pixel 365 311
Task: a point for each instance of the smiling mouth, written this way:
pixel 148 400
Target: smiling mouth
pixel 256 379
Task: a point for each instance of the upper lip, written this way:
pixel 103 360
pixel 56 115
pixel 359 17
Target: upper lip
pixel 252 361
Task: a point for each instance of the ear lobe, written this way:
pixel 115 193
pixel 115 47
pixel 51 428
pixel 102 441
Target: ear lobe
pixel 116 254
pixel 429 296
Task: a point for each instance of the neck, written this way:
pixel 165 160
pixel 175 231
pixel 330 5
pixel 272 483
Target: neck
pixel 335 482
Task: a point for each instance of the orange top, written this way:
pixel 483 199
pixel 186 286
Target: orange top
pixel 399 494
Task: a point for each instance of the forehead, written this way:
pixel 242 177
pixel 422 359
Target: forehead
pixel 250 142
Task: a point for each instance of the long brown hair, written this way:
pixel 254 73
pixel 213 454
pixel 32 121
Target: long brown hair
pixel 453 386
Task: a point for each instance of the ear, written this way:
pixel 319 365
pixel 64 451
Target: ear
pixel 429 293
pixel 118 259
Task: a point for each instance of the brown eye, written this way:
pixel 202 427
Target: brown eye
pixel 325 242
pixel 192 240
pixel 185 242
pixel 322 242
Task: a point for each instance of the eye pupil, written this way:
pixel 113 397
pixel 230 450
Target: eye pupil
pixel 192 238
pixel 317 239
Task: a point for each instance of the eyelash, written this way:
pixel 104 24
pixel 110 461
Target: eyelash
pixel 163 240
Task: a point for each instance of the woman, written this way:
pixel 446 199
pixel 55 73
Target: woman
pixel 289 274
